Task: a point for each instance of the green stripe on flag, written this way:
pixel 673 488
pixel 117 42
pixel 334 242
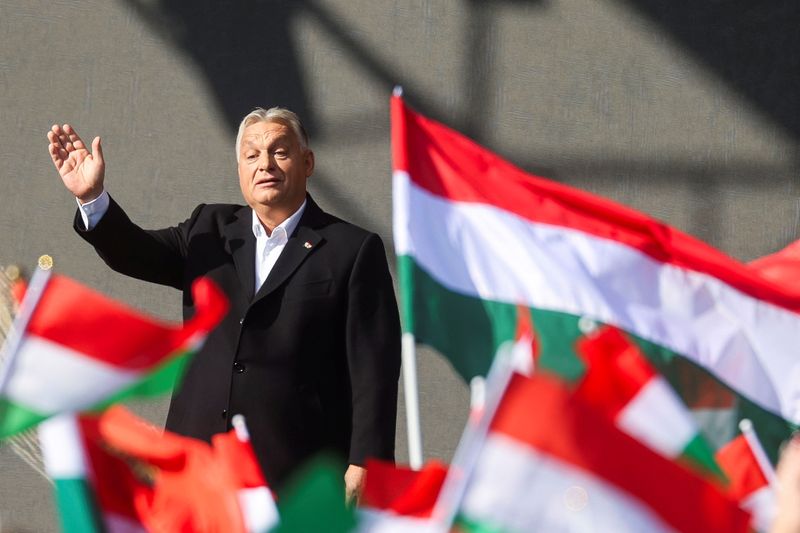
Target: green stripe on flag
pixel 313 500
pixel 15 418
pixel 76 506
pixel 466 525
pixel 772 430
pixel 453 323
pixel 468 331
pixel 163 378
pixel 160 381
pixel 699 453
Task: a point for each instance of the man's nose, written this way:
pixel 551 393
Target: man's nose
pixel 266 162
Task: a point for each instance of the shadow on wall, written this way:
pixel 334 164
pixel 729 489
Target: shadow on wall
pixel 753 46
pixel 246 51
pixel 244 48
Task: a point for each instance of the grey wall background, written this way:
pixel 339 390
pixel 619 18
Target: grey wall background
pixel 686 109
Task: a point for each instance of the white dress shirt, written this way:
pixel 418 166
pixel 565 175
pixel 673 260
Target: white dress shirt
pixel 268 247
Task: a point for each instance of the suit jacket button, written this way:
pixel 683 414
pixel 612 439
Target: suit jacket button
pixel 239 367
pixel 224 414
pixel 241 321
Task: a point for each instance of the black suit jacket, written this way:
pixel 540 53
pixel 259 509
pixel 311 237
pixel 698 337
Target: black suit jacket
pixel 312 360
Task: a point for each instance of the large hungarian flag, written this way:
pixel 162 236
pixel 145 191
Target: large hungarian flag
pixel 551 463
pixel 81 351
pixel 476 237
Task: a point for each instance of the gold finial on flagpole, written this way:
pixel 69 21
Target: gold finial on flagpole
pixel 13 273
pixel 45 262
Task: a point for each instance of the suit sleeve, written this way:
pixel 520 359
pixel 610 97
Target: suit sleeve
pixel 157 256
pixel 373 353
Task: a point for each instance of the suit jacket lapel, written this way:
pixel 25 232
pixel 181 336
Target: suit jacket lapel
pixel 241 244
pixel 299 246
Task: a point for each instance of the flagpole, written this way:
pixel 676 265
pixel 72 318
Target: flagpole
pixel 33 294
pixel 411 392
pixel 240 428
pixel 746 426
pixel 408 342
pixel 469 447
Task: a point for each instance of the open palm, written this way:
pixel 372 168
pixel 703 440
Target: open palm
pixel 81 171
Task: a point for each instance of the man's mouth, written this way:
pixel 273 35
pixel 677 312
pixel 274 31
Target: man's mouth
pixel 267 182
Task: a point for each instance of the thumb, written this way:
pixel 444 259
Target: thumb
pixel 97 150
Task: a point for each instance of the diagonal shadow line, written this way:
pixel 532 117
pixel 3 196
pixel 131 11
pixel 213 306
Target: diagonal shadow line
pixel 387 77
pixel 478 76
pixel 479 44
pixel 242 68
pixel 752 46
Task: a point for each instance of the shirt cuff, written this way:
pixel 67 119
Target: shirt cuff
pixel 92 212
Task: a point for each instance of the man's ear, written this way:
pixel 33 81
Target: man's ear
pixel 309 163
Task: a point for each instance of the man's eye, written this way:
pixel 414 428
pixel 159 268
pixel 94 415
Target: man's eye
pixel 280 153
pixel 250 157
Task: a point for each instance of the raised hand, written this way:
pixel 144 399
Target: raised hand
pixel 81 171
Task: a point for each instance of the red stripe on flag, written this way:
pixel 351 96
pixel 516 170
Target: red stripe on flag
pixel 83 320
pixel 402 490
pixel 740 465
pixel 541 412
pixel 239 458
pixel 616 370
pixel 782 267
pixel 116 486
pixel 453 167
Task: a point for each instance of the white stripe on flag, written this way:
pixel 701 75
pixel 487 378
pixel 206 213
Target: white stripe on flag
pixel 656 417
pixel 488 253
pixel 50 378
pixel 516 488
pixel 62 447
pixel 762 504
pixel 116 523
pixel 258 509
pixel 377 521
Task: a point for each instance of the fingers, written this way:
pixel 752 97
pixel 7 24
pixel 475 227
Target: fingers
pixel 58 152
pixel 73 139
pixel 97 150
pixel 65 137
pixel 354 481
pixel 789 464
pixel 64 140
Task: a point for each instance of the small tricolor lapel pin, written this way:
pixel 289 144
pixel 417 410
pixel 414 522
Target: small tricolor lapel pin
pixel 307 245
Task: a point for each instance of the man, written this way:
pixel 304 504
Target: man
pixel 309 352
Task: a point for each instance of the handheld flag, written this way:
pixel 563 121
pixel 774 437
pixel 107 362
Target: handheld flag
pixel 82 351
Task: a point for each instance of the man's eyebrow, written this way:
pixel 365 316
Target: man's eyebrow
pixel 252 139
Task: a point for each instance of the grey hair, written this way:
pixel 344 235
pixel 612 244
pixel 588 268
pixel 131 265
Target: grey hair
pixel 273 114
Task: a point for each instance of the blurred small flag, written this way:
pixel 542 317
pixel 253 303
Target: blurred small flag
pixel 81 350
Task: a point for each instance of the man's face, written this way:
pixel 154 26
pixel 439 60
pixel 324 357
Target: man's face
pixel 273 167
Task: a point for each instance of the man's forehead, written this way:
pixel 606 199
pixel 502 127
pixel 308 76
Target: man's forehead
pixel 262 135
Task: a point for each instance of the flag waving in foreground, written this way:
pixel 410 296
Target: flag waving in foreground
pixel 398 499
pixel 142 479
pixel 621 384
pixel 551 463
pixel 749 483
pixel 81 350
pixel 476 237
